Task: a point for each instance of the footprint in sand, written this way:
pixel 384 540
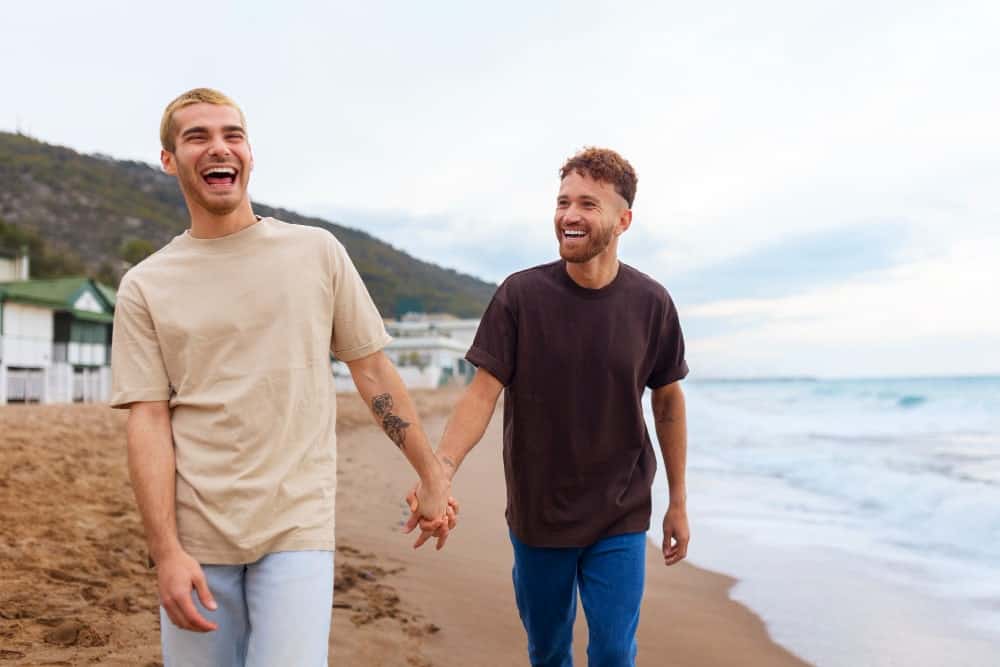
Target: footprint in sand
pixel 73 632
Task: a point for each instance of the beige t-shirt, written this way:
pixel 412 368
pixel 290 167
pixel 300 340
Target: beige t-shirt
pixel 236 333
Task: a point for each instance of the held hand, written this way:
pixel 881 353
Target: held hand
pixel 439 528
pixel 432 498
pixel 176 575
pixel 676 535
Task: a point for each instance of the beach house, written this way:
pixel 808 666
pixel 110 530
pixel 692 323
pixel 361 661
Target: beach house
pixel 55 336
pixel 427 349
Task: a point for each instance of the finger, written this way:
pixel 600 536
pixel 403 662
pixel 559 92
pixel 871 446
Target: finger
pixel 194 620
pixel 205 595
pixel 674 559
pixel 452 521
pixel 673 553
pixel 430 525
pixel 668 547
pixel 411 523
pixel 453 503
pixel 411 500
pixel 441 540
pixel 442 537
pixel 424 536
pixel 683 546
pixel 173 614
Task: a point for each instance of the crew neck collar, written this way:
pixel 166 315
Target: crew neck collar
pixel 587 292
pixel 240 237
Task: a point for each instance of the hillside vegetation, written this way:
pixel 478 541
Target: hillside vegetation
pixel 95 214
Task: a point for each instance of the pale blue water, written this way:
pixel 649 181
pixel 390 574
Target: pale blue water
pixel 862 517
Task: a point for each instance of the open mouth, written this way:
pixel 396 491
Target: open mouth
pixel 574 233
pixel 219 176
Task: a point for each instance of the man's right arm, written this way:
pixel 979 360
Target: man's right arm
pixel 153 472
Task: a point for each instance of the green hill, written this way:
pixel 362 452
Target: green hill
pixel 93 211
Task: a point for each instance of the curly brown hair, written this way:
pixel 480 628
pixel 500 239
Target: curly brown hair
pixel 604 164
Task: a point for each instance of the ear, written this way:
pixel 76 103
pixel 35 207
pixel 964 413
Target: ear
pixel 624 221
pixel 167 162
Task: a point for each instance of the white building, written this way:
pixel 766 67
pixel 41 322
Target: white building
pixel 55 337
pixel 428 350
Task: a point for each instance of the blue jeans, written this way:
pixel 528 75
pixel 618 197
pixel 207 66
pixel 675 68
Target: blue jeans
pixel 610 575
pixel 275 611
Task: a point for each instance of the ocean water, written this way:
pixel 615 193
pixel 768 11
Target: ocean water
pixel 861 517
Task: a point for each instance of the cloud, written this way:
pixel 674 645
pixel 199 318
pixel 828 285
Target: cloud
pixel 930 316
pixel 796 264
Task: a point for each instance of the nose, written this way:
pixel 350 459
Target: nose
pixel 219 147
pixel 571 214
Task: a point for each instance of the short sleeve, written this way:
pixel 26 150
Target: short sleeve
pixel 669 365
pixel 137 369
pixel 358 330
pixel 495 345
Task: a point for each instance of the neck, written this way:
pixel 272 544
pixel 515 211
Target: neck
pixel 208 225
pixel 596 273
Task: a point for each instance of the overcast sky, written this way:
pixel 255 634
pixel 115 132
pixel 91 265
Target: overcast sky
pixel 817 180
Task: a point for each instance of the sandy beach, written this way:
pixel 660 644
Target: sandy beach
pixel 74 589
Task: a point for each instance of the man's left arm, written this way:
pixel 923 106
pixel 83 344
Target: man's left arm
pixel 383 391
pixel 671 430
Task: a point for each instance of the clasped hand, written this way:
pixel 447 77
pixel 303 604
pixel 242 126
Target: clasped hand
pixel 423 503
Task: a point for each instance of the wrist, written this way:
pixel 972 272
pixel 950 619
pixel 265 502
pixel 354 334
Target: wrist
pixel 678 502
pixel 163 552
pixel 448 464
pixel 435 476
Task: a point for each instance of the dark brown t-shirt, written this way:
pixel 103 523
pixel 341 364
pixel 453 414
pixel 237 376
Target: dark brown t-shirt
pixel 577 456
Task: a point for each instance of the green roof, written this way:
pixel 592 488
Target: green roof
pixel 55 293
pixel 109 293
pixel 88 316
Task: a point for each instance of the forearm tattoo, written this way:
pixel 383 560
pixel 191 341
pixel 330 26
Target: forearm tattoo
pixel 393 425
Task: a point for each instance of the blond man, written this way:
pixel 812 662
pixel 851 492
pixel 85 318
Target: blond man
pixel 221 351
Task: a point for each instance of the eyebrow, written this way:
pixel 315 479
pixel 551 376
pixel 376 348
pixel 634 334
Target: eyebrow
pixel 198 129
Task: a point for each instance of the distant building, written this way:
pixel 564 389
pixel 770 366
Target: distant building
pixel 55 337
pixel 428 350
pixel 13 266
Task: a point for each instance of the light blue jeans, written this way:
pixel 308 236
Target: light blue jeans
pixel 275 611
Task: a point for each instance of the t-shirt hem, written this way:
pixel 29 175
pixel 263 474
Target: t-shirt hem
pixel 621 528
pixel 244 556
pixel 675 374
pixel 480 358
pixel 125 398
pixel 364 350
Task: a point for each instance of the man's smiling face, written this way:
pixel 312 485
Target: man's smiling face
pixel 588 217
pixel 211 158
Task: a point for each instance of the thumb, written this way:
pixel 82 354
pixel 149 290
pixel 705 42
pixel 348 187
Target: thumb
pixel 412 522
pixel 205 595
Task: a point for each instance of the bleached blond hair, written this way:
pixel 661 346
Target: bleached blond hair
pixel 193 96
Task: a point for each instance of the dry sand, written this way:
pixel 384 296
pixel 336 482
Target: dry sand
pixel 74 589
